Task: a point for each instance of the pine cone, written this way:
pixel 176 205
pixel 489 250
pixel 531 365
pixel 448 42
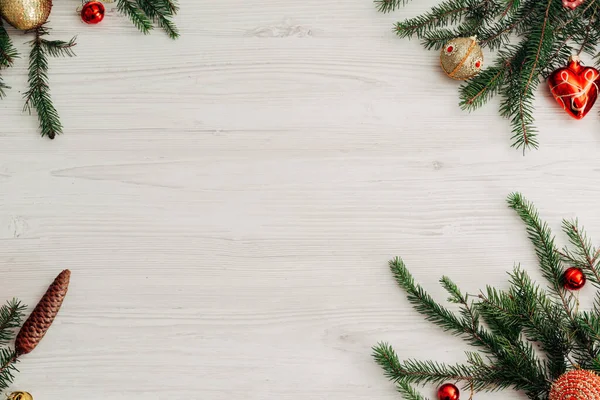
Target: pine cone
pixel 36 326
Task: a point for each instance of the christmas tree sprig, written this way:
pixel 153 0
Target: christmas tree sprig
pixel 38 96
pixel 504 324
pixel 11 317
pixel 532 38
pixel 8 53
pixel 145 13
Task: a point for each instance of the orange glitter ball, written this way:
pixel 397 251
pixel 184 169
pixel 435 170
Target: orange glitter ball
pixel 576 385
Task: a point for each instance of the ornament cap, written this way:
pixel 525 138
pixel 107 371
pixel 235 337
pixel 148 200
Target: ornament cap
pixel 574 58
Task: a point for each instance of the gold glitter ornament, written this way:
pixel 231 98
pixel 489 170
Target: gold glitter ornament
pixel 578 384
pixel 20 396
pixel 25 14
pixel 461 58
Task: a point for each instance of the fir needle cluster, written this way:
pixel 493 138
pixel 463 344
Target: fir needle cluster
pixel 531 38
pixel 11 317
pixel 144 14
pixel 527 335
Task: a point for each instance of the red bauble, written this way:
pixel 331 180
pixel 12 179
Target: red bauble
pixel 575 87
pixel 92 12
pixel 448 391
pixel 572 4
pixel 573 278
pixel 576 384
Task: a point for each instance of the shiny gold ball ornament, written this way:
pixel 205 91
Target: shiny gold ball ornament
pixel 25 14
pixel 461 58
pixel 20 396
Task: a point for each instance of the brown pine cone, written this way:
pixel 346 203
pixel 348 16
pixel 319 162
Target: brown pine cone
pixel 36 326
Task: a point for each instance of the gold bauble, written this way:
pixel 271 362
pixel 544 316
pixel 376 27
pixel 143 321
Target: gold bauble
pixel 461 58
pixel 20 396
pixel 25 14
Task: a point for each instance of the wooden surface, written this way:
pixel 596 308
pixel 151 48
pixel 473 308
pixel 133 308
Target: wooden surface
pixel 228 202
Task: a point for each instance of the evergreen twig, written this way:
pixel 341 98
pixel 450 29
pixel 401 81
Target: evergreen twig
pixel 11 316
pixel 38 95
pixel 8 53
pixel 160 12
pixel 8 368
pixel 136 15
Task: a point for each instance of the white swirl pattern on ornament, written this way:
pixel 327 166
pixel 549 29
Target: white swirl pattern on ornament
pixel 589 78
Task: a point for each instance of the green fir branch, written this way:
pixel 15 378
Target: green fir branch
pixel 448 12
pixel 390 5
pixel 539 316
pixel 542 240
pixel 11 316
pixel 476 92
pixel 515 357
pixel 8 53
pixel 160 13
pixel 419 372
pixel 38 96
pixel 8 368
pixel 408 392
pixel 59 48
pixel 136 15
pixel 584 255
pixel 172 6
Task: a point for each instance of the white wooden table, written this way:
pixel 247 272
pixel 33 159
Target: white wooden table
pixel 228 202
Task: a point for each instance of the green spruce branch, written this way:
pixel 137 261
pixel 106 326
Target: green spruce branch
pixel 11 317
pixel 145 13
pixel 8 53
pixel 390 5
pixel 504 325
pixel 38 96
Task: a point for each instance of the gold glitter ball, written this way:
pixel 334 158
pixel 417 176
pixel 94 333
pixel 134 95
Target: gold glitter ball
pixel 576 385
pixel 20 396
pixel 461 58
pixel 25 14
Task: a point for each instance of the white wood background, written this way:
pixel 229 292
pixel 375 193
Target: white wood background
pixel 228 202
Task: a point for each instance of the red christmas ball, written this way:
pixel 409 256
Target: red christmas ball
pixel 92 12
pixel 448 391
pixel 576 384
pixel 573 278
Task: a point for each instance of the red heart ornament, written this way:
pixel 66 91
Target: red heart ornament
pixel 575 87
pixel 572 4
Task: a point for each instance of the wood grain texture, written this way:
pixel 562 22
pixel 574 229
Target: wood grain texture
pixel 228 202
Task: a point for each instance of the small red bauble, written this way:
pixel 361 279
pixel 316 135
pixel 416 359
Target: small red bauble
pixel 573 278
pixel 448 391
pixel 92 12
pixel 575 87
